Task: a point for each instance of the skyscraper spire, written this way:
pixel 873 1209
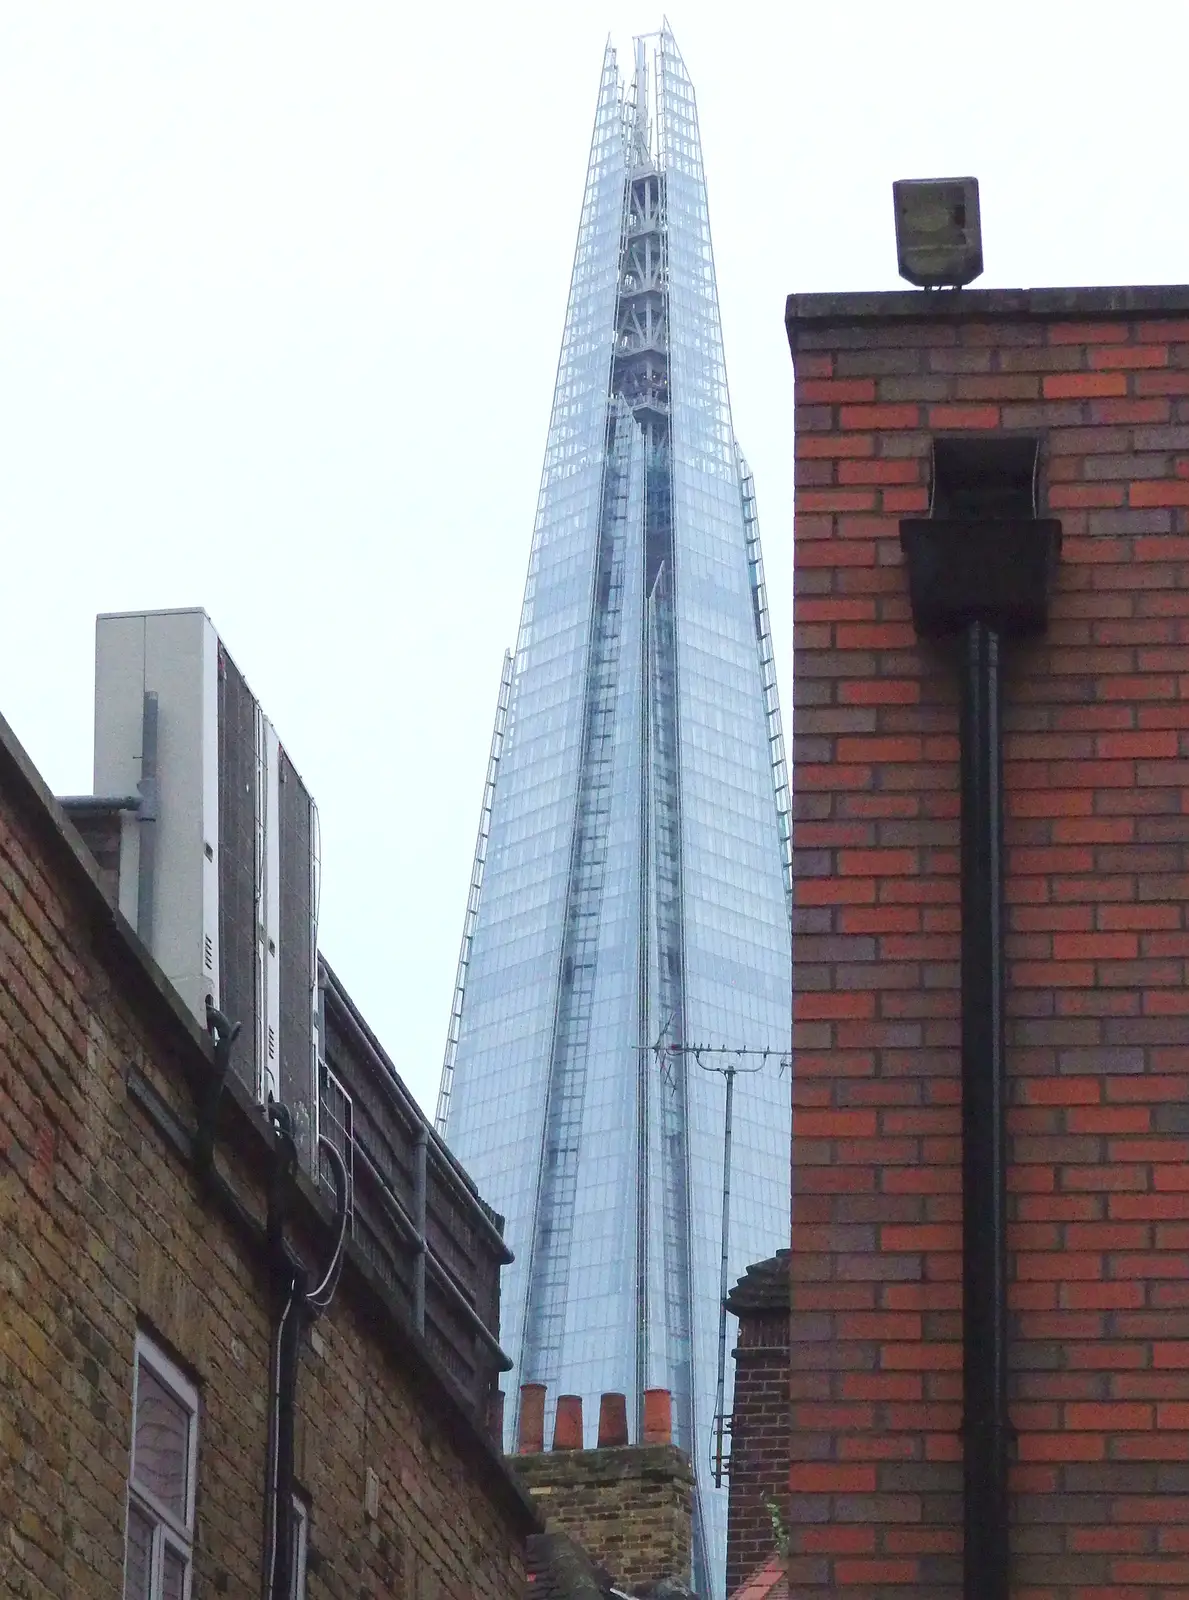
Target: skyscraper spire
pixel 634 899
pixel 641 147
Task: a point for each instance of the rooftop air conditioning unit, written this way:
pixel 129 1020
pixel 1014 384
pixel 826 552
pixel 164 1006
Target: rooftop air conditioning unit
pixel 219 873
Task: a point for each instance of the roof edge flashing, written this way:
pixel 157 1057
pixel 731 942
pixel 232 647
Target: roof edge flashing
pixel 974 305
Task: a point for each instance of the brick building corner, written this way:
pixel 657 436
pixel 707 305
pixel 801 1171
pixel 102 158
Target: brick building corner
pixel 115 1233
pixel 1096 763
pixel 759 1418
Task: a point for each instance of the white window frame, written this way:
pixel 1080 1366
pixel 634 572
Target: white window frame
pixel 300 1543
pixel 169 1531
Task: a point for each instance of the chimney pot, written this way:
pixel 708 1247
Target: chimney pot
pixel 567 1424
pixel 531 1432
pixel 658 1416
pixel 613 1420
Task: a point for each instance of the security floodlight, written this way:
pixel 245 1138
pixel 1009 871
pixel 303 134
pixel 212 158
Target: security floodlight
pixel 939 243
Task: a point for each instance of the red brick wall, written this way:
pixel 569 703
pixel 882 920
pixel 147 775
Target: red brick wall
pixel 759 1436
pixel 104 1230
pixel 1097 775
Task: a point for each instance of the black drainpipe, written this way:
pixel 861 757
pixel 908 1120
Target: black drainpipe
pixel 299 1304
pixel 285 1358
pixel 984 1122
pixel 979 582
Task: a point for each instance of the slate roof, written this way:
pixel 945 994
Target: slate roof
pixel 558 1568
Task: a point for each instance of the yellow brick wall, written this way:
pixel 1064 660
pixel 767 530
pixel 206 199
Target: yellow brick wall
pixel 104 1229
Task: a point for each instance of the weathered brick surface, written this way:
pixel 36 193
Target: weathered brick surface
pixel 759 1418
pixel 104 1230
pixel 1097 775
pixel 630 1507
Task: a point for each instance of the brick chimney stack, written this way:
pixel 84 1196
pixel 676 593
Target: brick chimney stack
pixel 759 1437
pixel 630 1506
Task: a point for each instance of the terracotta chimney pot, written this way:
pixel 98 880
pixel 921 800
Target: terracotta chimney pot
pixel 530 1435
pixel 658 1416
pixel 613 1421
pixel 567 1424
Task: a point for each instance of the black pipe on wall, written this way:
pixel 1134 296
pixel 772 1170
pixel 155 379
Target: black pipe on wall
pixel 978 581
pixel 285 1360
pixel 299 1305
pixel 984 1121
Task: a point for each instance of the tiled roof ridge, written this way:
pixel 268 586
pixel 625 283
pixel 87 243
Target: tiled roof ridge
pixel 764 1583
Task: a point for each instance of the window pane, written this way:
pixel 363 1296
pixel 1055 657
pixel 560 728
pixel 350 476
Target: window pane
pixel 297 1556
pixel 139 1561
pixel 159 1456
pixel 173 1579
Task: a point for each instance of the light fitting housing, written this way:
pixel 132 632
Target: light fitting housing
pixel 939 240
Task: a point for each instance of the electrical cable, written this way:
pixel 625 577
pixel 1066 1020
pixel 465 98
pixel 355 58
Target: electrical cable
pixel 321 1295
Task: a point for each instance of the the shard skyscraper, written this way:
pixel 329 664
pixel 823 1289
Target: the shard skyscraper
pixel 630 897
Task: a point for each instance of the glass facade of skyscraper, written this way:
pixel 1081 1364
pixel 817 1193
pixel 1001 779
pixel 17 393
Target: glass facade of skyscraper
pixel 627 936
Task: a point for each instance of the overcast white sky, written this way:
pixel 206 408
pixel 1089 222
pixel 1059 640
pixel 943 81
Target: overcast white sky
pixel 281 290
